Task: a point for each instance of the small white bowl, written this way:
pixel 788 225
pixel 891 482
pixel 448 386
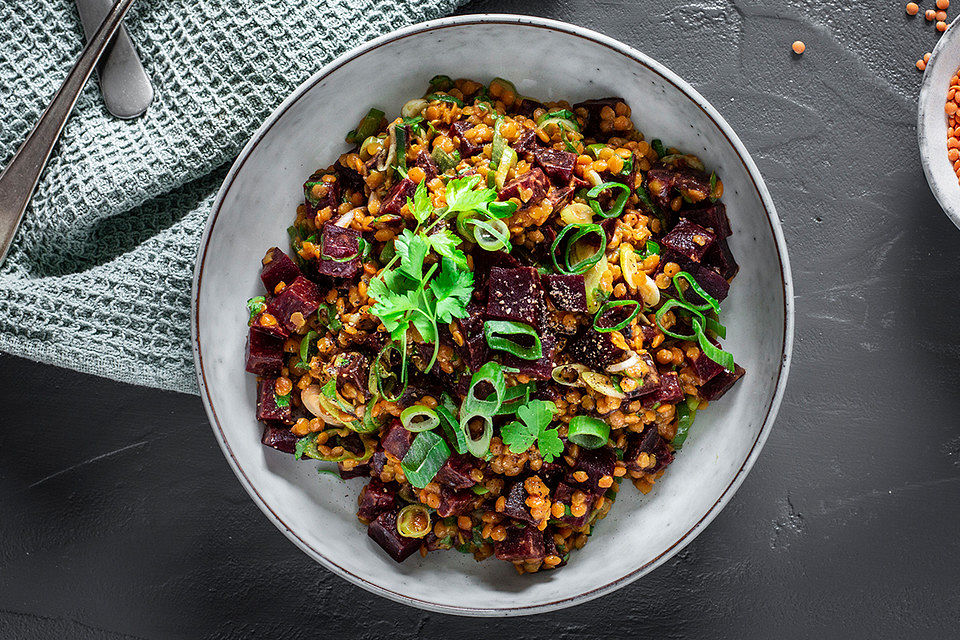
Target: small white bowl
pixel 547 60
pixel 932 122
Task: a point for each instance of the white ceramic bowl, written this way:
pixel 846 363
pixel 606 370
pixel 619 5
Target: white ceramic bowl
pixel 932 122
pixel 547 60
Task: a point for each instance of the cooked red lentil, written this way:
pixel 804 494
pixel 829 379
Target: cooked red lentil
pixel 496 311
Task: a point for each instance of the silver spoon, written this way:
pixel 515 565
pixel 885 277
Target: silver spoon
pixel 20 178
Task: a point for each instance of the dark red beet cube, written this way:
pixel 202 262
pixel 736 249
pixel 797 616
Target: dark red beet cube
pixel 264 353
pixel 515 294
pixel 520 544
pixel 558 165
pixel 564 495
pixel 670 390
pixel 455 472
pixel 279 437
pixel 539 369
pixel 712 282
pixel 558 199
pixel 455 503
pixel 596 463
pixel 567 292
pixel 277 268
pixel 689 240
pixel 398 197
pixel 528 105
pixel 299 297
pixel 267 407
pixel 527 142
pixel 649 442
pixel 721 383
pixel 515 506
pixel 339 244
pixel 359 471
pixel 474 349
pixel 319 193
pixel 467 148
pixel 426 162
pixel 396 440
pixel 529 187
pixel 720 259
pixel 591 127
pixel 705 368
pixel 377 462
pixel 713 217
pixel 274 329
pixel 595 349
pixel 376 498
pixel 384 532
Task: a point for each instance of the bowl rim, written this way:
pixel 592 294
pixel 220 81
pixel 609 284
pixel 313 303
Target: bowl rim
pixel 926 115
pixel 775 229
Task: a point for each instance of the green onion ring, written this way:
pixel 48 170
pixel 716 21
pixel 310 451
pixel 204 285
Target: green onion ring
pixel 496 236
pixel 584 265
pixel 718 355
pixel 670 304
pixel 492 373
pixel 451 426
pixel 305 345
pixel 413 521
pixel 443 97
pixel 618 204
pixel 419 418
pixel 711 302
pixel 481 446
pixel 423 460
pixel 686 412
pixel 380 374
pixel 502 209
pixel 611 304
pixel 507 327
pixel 587 432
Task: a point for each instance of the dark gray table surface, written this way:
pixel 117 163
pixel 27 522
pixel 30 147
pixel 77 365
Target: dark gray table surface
pixel 120 518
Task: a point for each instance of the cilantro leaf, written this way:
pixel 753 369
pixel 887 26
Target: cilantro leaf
pixel 420 206
pixel 445 243
pixel 453 289
pixel 535 418
pixel 412 249
pixel 461 195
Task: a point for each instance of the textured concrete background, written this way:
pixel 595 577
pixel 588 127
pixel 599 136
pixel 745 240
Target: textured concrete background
pixel 120 518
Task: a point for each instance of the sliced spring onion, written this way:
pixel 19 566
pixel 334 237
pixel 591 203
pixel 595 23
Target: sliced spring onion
pixel 413 521
pixel 491 373
pixel 419 418
pixel 400 135
pixel 367 127
pixel 644 196
pixel 382 377
pixel 686 413
pixel 651 248
pixel 370 423
pixel 594 149
pixel 507 161
pixel 576 213
pixel 307 446
pixel 619 367
pixel 569 374
pixel 412 109
pixel 506 88
pixel 480 489
pixel 711 302
pixel 444 97
pixel 440 83
pixel 515 397
pixel 563 118
pixel 502 209
pixel 445 161
pixel 447 412
pixel 426 455
pixel 256 305
pixel 718 355
pixel 596 294
pixel 602 384
pixel 582 230
pixel 658 148
pixel 495 330
pixel 587 432
pixel 617 208
pixel 612 304
pixel 491 235
pixel 498 144
pixel 478 447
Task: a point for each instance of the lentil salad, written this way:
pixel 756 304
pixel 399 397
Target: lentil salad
pixel 496 310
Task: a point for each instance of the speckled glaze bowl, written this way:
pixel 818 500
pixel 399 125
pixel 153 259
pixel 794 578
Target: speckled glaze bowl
pixel 547 60
pixel 932 122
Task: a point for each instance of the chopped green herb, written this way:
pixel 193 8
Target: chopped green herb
pixel 533 426
pixel 256 305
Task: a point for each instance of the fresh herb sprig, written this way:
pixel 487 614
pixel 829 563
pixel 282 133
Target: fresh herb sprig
pixel 533 425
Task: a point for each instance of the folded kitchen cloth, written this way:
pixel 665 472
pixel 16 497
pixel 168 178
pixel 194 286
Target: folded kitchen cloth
pixel 99 276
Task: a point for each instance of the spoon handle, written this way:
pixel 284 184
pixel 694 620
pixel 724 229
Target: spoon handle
pixel 21 176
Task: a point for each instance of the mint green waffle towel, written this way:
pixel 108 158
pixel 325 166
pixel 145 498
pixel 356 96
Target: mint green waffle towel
pixel 99 276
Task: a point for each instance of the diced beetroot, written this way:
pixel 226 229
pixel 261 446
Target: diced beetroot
pixel 712 282
pixel 721 383
pixel 398 197
pixel 384 532
pixel 359 471
pixel 564 495
pixel 649 333
pixel 455 472
pixel 527 106
pixel 267 407
pixel 377 497
pixel 457 133
pixel 277 268
pixel 558 165
pixel 649 442
pixel 649 381
pixel 661 182
pixel 274 329
pixel 567 292
pixel 474 350
pixel 558 199
pixel 426 162
pixel 670 390
pixel 353 368
pixel 264 353
pixel 595 349
pixel 319 193
pixel 712 216
pixel 377 462
pixel 550 472
pixel 527 142
pixel 279 437
pixel 705 368
pixel 593 108
pixel 539 369
pixel 520 544
pixel 338 243
pixel 300 297
pixel 348 177
pixel 689 240
pixel 529 187
pixel 515 294
pixel 596 463
pixel 396 440
pixel 515 506
pixel 720 259
pixel 455 503
pixel 483 261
